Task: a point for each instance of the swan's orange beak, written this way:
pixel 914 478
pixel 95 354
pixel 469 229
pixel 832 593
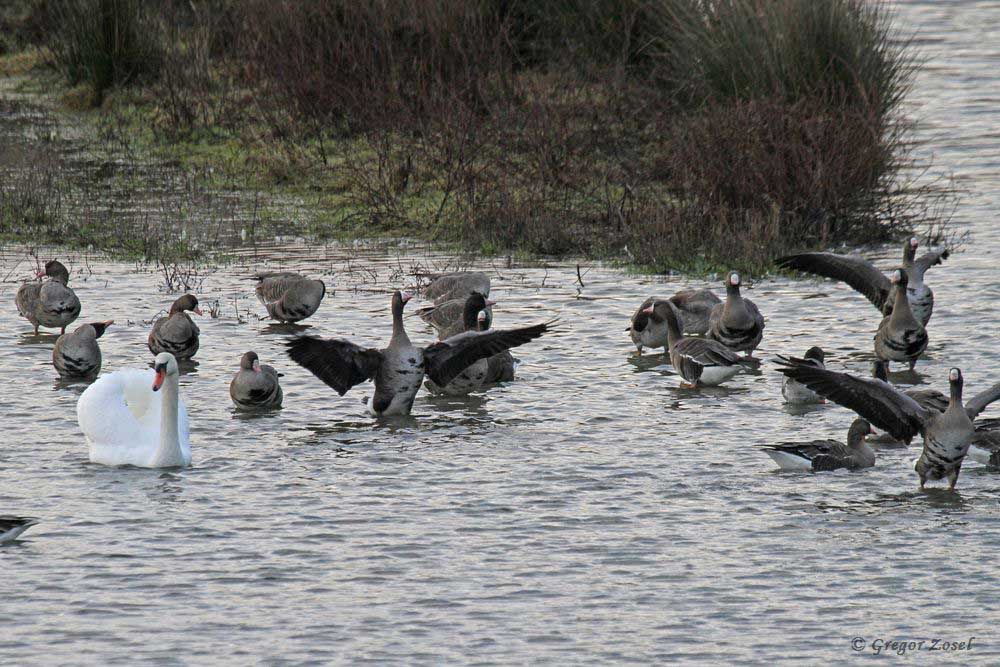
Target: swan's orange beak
pixel 161 375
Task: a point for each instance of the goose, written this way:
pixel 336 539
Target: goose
pixel 792 391
pixel 457 285
pixel 399 369
pixel 52 304
pixel 820 455
pixel 254 385
pixel 648 327
pixel 476 375
pixel 177 333
pixel 12 526
pixel 931 399
pixel 501 367
pixel 127 419
pixel 862 275
pixel 447 317
pixel 737 323
pixel 900 336
pixel 289 297
pixel 77 354
pixel 700 361
pixel 947 435
pixel 695 306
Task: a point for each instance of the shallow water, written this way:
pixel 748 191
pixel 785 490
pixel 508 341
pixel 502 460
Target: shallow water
pixel 591 510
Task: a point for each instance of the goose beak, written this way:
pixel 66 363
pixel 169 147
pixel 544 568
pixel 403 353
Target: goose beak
pixel 161 375
pixel 39 274
pixel 490 302
pixel 407 296
pixel 256 366
pixel 648 310
pixel 197 311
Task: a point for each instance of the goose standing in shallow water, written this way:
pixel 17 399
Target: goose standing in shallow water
pixel 255 386
pixel 12 526
pixel 820 455
pixel 862 275
pixel 737 323
pixel 947 435
pixel 792 391
pixel 649 323
pixel 52 304
pixel 700 361
pixel 398 369
pixel 900 337
pixel 289 297
pixel 177 333
pixel 77 354
pixel 135 417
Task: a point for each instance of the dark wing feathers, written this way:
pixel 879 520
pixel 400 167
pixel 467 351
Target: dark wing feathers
pixel 932 258
pixel 339 363
pixel 979 402
pixel 857 272
pixel 443 361
pixel 878 402
pixel 707 352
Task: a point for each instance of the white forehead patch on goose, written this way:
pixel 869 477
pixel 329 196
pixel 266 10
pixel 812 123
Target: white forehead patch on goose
pixel 914 242
pixel 734 278
pixel 954 374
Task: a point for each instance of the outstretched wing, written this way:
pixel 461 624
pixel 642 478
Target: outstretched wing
pixel 443 361
pixel 857 272
pixel 979 402
pixel 878 402
pixel 339 363
pixel 930 259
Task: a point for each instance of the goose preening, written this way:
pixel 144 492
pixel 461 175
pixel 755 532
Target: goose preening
pixel 862 275
pixel 947 435
pixel 448 317
pixel 794 392
pixel 77 354
pixel 255 386
pixel 736 323
pixel 692 308
pixel 695 306
pixel 700 361
pixel 52 303
pixel 289 297
pixel 12 526
pixel 176 332
pixel 826 454
pixel 135 417
pixel 900 336
pixel 457 285
pixel 399 369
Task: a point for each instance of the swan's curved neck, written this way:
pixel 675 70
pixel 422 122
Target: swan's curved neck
pixel 169 452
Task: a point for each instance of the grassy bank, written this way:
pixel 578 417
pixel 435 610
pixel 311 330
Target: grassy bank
pixel 674 134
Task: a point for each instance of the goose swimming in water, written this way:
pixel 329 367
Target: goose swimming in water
pixel 289 297
pixel 77 354
pixel 399 369
pixel 820 455
pixel 700 361
pixel 51 304
pixel 177 333
pixel 736 323
pixel 255 385
pixel 795 393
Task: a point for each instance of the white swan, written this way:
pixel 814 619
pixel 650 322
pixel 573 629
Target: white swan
pixel 127 420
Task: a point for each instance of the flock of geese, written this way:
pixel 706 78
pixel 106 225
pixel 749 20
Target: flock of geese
pixel 136 416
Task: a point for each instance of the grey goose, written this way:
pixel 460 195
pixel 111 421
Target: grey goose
pixel 255 385
pixel 448 317
pixel 900 336
pixel 176 332
pixel 692 308
pixel 11 527
pixel 700 361
pixel 77 354
pixel 818 455
pixel 736 323
pixel 862 275
pixel 399 369
pixel 53 303
pixel 794 392
pixel 947 435
pixel 477 374
pixel 289 297
pixel 457 285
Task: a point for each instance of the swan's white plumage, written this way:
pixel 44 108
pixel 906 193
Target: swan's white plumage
pixel 119 415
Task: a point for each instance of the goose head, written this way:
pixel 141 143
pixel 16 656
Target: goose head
pixel 165 366
pixel 482 322
pixel 955 381
pixel 99 327
pixel 55 270
pixel 860 429
pixel 900 279
pixel 186 302
pixel 816 354
pixel 910 250
pixel 473 305
pixel 250 362
pixel 733 282
pixel 399 300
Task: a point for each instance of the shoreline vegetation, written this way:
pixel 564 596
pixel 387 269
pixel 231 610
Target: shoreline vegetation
pixel 671 135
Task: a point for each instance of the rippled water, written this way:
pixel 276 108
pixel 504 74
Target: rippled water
pixel 590 511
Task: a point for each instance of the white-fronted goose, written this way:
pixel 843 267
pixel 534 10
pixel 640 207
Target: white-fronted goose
pixel 399 369
pixel 695 306
pixel 77 354
pixel 476 375
pixel 947 434
pixel 289 297
pixel 177 333
pixel 255 386
pixel 52 304
pixel 862 275
pixel 457 285
pixel 794 392
pixel 700 361
pixel 820 455
pixel 736 323
pixel 12 526
pixel 900 336
pixel 649 323
pixel 448 317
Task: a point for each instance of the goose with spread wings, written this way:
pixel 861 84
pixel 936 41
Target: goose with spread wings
pixel 399 369
pixel 862 275
pixel 947 435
